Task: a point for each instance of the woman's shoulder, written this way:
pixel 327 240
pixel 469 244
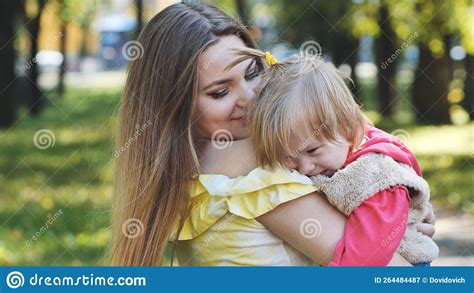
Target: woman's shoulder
pixel 258 178
pixel 248 196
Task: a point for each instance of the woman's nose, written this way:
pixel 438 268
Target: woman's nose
pixel 246 96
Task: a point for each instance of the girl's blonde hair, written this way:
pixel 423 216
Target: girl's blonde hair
pixel 155 166
pixel 300 92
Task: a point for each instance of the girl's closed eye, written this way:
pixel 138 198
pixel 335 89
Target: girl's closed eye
pixel 313 150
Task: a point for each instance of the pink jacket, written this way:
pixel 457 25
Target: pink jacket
pixel 374 229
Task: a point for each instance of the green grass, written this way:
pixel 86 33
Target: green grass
pixel 74 177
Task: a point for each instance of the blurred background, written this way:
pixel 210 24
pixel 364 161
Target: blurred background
pixel 62 69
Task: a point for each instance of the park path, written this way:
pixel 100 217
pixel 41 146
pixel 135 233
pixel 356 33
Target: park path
pixel 455 237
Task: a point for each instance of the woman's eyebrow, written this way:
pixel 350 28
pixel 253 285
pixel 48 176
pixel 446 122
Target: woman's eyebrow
pixel 221 81
pixel 216 82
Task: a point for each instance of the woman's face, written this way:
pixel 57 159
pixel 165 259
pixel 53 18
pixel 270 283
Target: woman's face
pixel 224 95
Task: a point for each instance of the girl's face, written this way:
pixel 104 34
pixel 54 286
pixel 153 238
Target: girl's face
pixel 224 95
pixel 312 157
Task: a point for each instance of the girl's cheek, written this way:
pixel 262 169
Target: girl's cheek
pixel 289 164
pixel 339 162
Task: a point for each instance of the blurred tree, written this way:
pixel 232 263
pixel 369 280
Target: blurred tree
pixel 434 26
pixel 434 70
pixel 344 44
pixel 139 8
pixel 430 89
pixel 34 102
pixel 386 44
pixel 468 101
pixel 82 13
pixel 464 17
pixel 65 18
pixel 9 13
pixel 329 23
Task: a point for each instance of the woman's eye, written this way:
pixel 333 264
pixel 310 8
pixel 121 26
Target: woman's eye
pixel 252 74
pixel 220 94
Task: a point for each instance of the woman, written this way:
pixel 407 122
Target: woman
pixel 237 214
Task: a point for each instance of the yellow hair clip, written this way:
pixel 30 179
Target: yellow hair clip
pixel 270 59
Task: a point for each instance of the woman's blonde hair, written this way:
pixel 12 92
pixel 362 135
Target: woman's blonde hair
pixel 300 92
pixel 156 153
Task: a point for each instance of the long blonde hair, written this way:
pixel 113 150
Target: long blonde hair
pixel 156 154
pixel 300 92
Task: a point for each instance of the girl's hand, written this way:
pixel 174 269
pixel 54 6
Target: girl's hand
pixel 427 227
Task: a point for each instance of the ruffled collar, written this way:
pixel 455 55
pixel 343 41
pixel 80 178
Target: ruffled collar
pixel 257 179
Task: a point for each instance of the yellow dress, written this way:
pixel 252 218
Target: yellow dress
pixel 221 229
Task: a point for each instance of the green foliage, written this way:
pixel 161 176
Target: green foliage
pixel 81 12
pixel 431 19
pixel 228 6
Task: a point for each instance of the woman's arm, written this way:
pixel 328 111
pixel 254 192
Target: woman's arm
pixel 311 225
pixel 374 229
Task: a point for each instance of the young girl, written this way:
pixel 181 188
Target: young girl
pixel 305 118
